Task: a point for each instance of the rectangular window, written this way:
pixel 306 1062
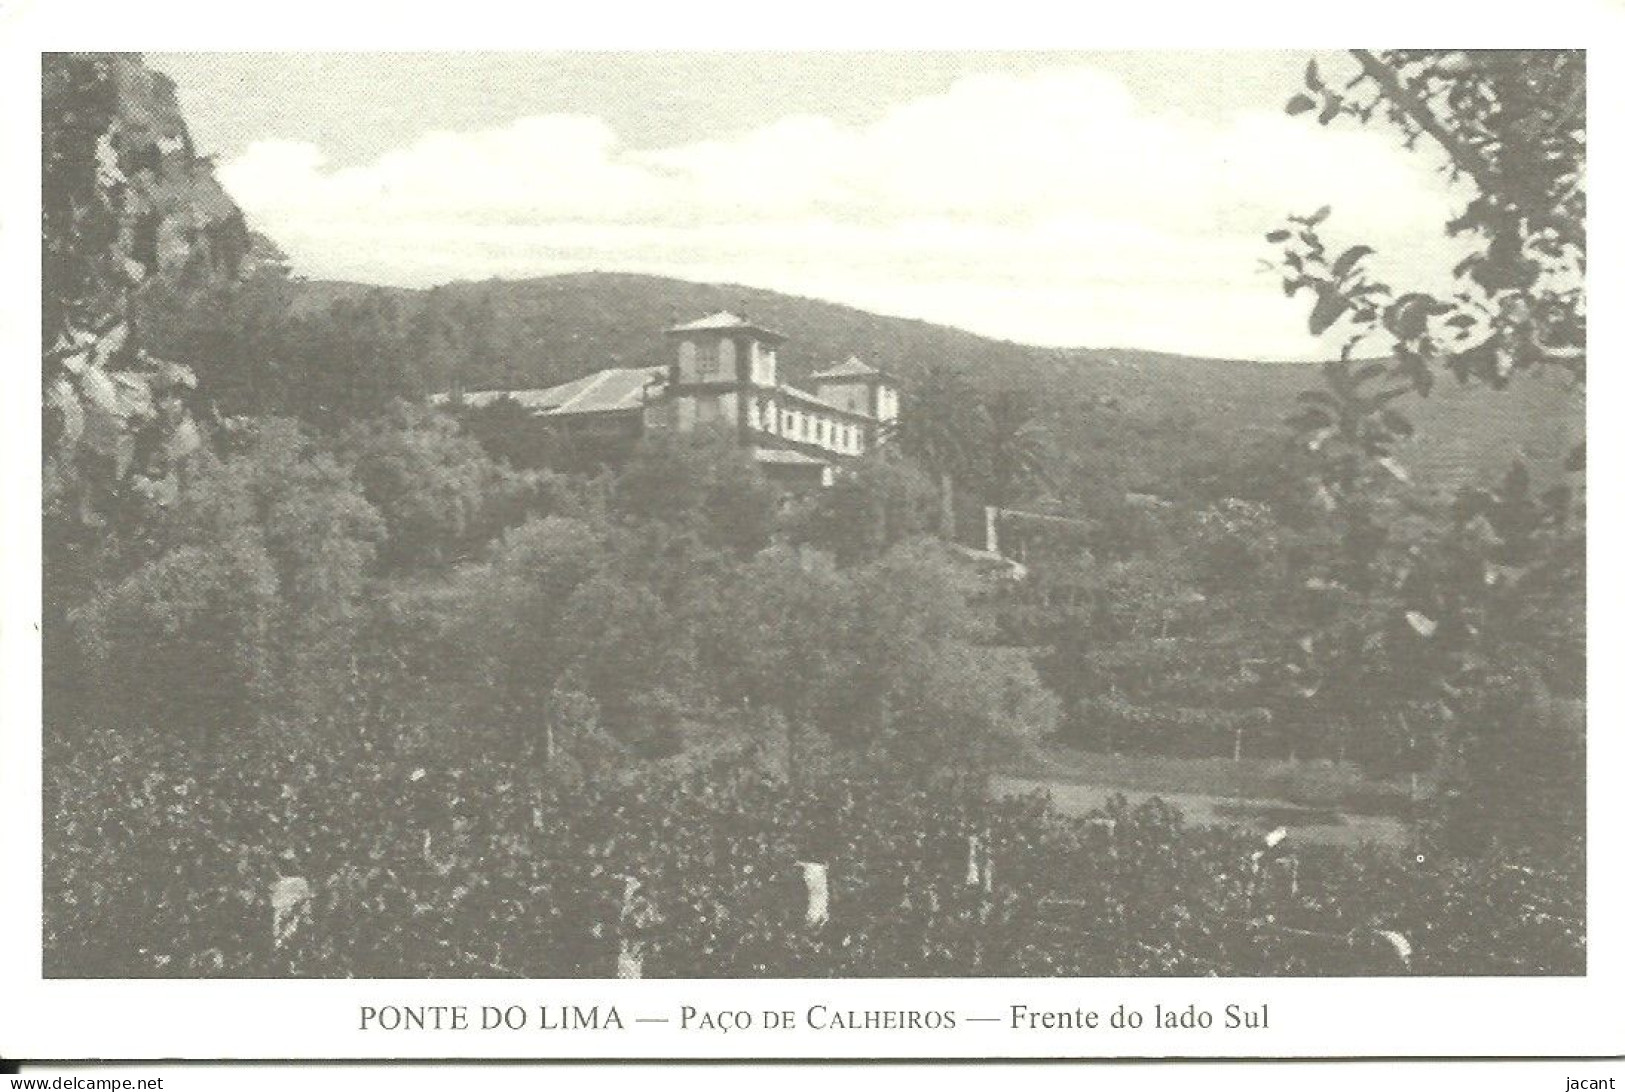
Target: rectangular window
pixel 761 361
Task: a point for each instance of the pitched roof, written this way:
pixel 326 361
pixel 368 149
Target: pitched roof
pixel 604 392
pixel 796 394
pixel 851 368
pixel 608 391
pixel 723 320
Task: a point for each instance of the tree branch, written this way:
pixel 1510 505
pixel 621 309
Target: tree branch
pixel 1463 155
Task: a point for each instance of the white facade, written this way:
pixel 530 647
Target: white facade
pixel 725 373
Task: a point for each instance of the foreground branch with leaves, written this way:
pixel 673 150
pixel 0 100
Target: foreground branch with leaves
pixel 1484 620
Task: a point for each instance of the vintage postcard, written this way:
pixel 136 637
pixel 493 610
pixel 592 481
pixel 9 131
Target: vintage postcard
pixel 743 553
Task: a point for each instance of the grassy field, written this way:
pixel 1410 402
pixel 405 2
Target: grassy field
pixel 1318 801
pixel 1313 784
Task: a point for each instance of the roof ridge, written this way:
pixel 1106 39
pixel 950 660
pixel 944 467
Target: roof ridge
pixel 853 365
pixel 722 320
pixel 597 381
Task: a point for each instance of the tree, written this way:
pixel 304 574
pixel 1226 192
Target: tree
pixel 517 621
pixel 354 359
pixel 440 341
pixel 783 643
pixel 273 481
pixel 239 599
pixel 630 657
pixel 939 429
pixel 437 490
pixel 1015 447
pixel 704 483
pixel 509 432
pixel 127 207
pixel 186 642
pixel 908 601
pixel 126 204
pixel 882 500
pixel 236 335
pixel 1510 127
pixel 958 708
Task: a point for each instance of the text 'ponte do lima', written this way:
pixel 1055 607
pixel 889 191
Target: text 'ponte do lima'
pixel 722 373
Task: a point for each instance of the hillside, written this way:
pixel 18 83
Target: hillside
pixel 1122 419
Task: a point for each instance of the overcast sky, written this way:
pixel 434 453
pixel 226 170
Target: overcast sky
pixel 1064 199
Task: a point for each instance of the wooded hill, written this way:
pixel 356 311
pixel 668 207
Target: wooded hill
pixel 1120 419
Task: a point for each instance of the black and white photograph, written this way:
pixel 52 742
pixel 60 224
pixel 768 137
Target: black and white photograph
pixel 597 516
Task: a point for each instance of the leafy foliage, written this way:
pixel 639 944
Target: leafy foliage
pixel 247 582
pixel 439 494
pixel 127 203
pixel 706 483
pixel 1469 623
pixel 883 500
pixel 459 869
pixel 275 642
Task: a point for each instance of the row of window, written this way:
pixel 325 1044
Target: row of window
pixel 808 428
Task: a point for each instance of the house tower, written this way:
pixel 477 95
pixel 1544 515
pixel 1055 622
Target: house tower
pixel 716 364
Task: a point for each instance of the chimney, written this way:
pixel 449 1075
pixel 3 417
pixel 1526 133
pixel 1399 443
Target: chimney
pixel 992 517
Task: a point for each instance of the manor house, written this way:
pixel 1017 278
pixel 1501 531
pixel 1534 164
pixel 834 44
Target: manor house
pixel 722 373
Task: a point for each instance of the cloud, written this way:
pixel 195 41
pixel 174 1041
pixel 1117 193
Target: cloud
pixel 1049 208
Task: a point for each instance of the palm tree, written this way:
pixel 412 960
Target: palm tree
pixel 940 429
pixel 1015 448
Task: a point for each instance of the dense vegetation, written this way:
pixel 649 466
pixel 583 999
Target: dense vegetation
pixel 1122 420
pixel 301 627
pixel 467 870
